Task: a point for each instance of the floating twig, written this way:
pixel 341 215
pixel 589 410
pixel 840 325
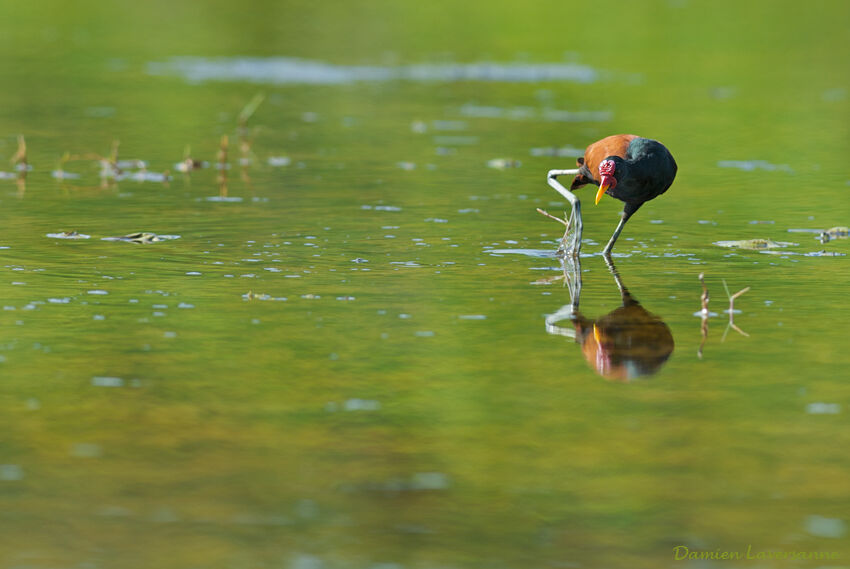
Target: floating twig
pixel 556 218
pixel 567 222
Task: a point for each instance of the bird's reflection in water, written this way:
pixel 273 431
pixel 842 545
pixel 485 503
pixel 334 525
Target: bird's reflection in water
pixel 625 344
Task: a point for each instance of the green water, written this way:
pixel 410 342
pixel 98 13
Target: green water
pixel 345 363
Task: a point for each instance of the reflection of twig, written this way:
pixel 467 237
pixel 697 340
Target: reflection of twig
pixel 19 159
pixel 221 164
pixel 704 298
pixel 736 295
pixel 732 311
pixel 705 314
pixel 572 280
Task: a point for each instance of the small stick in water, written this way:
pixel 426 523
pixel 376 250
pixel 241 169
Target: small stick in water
pixel 566 222
pixel 704 298
pixel 19 159
pixel 221 156
pixel 550 216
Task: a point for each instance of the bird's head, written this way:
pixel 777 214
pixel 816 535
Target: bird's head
pixel 609 170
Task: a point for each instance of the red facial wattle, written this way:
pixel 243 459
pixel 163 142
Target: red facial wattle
pixel 606 178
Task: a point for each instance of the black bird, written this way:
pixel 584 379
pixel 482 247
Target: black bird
pixel 628 167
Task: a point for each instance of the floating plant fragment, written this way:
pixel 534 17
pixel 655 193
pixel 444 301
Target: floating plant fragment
pixel 825 235
pixel 142 237
pixel 68 235
pixel 251 295
pixel 754 244
pixel 189 164
pixel 833 233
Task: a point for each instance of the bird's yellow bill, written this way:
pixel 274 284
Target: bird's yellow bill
pixel 602 187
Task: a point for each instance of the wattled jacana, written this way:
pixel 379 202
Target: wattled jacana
pixel 625 166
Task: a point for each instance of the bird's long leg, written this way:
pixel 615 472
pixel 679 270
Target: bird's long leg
pixel 628 212
pixel 610 245
pixel 575 216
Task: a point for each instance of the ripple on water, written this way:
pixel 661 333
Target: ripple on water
pixel 278 161
pixel 290 70
pixel 750 165
pixel 528 252
pixel 11 472
pixel 223 199
pixel 107 381
pixel 823 408
pixel 381 207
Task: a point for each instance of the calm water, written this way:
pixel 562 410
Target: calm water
pixel 357 352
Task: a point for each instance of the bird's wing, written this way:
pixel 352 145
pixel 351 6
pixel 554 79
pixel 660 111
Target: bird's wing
pixel 583 177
